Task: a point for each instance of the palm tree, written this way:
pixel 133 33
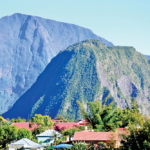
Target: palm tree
pixel 55 137
pixel 101 117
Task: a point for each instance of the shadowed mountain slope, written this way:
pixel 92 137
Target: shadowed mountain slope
pixel 148 57
pixel 87 71
pixel 27 45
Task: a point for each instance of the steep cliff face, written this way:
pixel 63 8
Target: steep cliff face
pixel 87 71
pixel 27 45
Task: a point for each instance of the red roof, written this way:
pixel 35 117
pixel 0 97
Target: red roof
pixel 64 126
pixel 25 125
pixel 95 136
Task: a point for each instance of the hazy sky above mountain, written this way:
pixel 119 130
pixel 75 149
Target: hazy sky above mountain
pixel 123 22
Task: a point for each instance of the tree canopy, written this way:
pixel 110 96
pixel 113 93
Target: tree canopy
pixel 24 133
pixel 44 122
pixel 18 120
pixel 7 134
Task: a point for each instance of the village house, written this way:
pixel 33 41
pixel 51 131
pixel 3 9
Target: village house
pixel 25 144
pixel 82 123
pixel 47 137
pixel 89 136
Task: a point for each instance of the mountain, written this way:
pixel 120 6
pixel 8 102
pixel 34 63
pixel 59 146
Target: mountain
pixel 148 57
pixel 87 71
pixel 27 45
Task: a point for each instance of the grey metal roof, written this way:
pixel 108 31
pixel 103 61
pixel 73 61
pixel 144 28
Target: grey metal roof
pixel 26 142
pixel 49 132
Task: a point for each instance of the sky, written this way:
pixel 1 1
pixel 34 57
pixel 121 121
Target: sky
pixel 122 22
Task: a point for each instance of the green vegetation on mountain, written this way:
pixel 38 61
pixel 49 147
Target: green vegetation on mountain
pixel 87 71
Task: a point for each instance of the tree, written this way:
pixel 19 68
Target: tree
pixel 55 136
pixel 134 105
pixel 101 117
pixel 44 122
pixel 7 134
pixel 138 138
pixel 18 120
pixel 24 133
pixel 128 116
pixel 1 120
pixel 36 131
pixel 79 146
pixel 12 120
pixel 70 132
pixel 60 117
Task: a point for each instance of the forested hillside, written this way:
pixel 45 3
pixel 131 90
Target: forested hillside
pixel 87 71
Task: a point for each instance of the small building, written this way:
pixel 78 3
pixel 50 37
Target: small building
pixel 83 123
pixel 47 137
pixel 96 137
pixel 25 125
pixel 25 144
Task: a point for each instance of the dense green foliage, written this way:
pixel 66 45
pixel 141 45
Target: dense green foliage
pixel 129 116
pixel 79 145
pixel 1 120
pixel 101 117
pixel 138 138
pixel 7 134
pixel 70 132
pixel 24 133
pixel 18 120
pixel 43 122
pixel 107 118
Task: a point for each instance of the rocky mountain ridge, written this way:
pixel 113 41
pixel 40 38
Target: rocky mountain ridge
pixel 27 45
